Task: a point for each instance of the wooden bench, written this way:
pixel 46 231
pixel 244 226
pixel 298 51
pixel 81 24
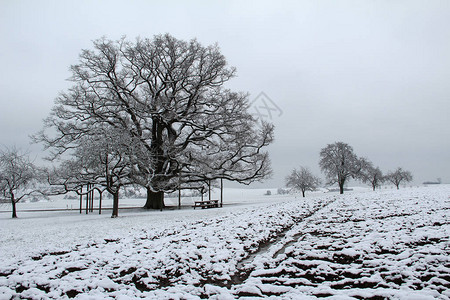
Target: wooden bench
pixel 206 203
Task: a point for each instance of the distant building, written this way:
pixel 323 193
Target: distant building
pixel 433 182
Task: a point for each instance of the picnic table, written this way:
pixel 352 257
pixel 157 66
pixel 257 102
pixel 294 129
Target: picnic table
pixel 206 203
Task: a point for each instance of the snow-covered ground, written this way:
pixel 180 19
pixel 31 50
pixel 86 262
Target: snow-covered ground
pixel 387 244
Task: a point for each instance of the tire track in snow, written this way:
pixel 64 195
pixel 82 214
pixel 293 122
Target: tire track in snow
pixel 245 266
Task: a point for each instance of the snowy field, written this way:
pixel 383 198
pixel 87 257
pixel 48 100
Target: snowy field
pixel 387 244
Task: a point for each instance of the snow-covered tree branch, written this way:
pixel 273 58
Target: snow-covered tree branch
pixel 167 98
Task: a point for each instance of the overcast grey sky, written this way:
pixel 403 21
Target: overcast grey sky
pixel 373 74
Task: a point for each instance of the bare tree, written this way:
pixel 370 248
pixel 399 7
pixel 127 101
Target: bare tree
pixel 101 161
pixel 18 176
pixel 373 176
pixel 302 180
pixel 167 96
pixel 339 162
pixel 398 176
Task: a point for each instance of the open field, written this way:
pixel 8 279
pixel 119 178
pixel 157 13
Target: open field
pixel 387 244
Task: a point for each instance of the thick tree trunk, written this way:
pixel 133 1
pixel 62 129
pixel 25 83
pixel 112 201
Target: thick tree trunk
pixel 155 200
pixel 397 186
pixel 115 211
pixel 341 188
pixel 303 193
pixel 14 212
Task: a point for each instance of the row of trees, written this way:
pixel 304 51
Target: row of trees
pixel 153 113
pixel 339 163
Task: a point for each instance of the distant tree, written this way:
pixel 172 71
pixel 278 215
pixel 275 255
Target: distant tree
pixel 373 176
pixel 18 177
pixel 168 97
pixel 302 180
pixel 399 176
pixel 281 191
pixel 339 162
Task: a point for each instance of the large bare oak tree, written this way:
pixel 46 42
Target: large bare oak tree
pixel 168 97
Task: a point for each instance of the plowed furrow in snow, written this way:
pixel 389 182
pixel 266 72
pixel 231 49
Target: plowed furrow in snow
pixel 387 248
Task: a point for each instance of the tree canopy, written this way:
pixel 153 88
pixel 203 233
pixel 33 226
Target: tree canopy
pixel 372 175
pixel 339 162
pixel 398 176
pixel 302 180
pixel 173 120
pixel 18 176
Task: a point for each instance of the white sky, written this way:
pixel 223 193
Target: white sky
pixel 373 74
